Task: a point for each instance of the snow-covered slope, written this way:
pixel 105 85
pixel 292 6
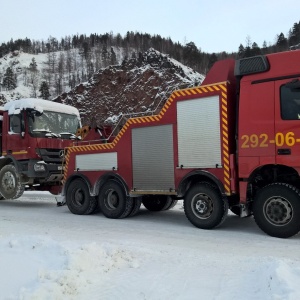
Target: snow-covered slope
pixel 19 62
pixel 137 85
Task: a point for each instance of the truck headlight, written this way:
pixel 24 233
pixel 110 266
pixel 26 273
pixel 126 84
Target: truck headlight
pixel 39 168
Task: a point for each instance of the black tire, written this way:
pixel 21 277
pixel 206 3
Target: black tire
pixel 157 202
pixel 113 201
pixel 78 198
pixel 276 210
pixel 10 183
pixel 96 209
pixel 172 204
pixel 204 206
pixel 137 201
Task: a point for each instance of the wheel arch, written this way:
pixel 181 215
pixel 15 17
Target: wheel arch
pixel 109 176
pixel 271 173
pixel 8 160
pixel 72 178
pixel 199 176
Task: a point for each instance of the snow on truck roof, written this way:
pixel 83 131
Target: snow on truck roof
pixel 39 105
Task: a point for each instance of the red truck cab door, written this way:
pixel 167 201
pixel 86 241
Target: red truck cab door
pixel 287 122
pixel 256 126
pixel 16 141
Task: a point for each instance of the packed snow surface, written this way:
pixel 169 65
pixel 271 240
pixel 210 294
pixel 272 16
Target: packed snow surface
pixel 48 253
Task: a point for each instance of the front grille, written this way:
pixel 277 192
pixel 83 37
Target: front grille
pixel 51 155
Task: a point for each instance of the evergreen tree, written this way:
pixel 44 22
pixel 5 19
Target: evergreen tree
pixel 133 55
pixel 248 49
pixel 86 50
pixel 255 49
pixel 9 80
pixel 33 65
pixel 61 64
pixel 241 51
pixel 105 56
pixel 248 52
pixel 91 69
pixel 69 63
pixel 264 48
pixel 190 54
pixel 44 90
pixel 113 57
pixel 282 43
pixel 294 35
pixel 212 59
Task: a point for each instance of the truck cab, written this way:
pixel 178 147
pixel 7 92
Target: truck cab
pixel 269 114
pixel 34 133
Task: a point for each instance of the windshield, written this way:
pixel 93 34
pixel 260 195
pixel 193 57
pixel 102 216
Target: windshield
pixel 55 123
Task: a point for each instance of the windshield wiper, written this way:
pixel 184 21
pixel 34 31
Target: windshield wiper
pixel 72 135
pixel 48 133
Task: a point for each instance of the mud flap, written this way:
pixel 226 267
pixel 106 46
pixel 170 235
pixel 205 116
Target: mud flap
pixel 60 200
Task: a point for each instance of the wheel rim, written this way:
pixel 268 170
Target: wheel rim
pixel 78 198
pixel 111 200
pixel 8 182
pixel 202 206
pixel 157 201
pixel 278 211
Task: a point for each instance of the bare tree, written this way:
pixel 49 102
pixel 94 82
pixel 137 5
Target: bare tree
pixel 69 62
pixel 60 72
pixel 25 77
pixel 33 77
pixel 47 69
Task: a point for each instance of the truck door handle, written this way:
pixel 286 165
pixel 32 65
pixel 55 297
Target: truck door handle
pixel 284 151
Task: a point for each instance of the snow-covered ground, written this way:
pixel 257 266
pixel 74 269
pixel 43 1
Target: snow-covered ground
pixel 48 253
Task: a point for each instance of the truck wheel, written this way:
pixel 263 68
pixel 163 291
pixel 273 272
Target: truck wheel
pixel 173 203
pixel 78 198
pixel 204 206
pixel 113 201
pixel 137 201
pixel 276 210
pixel 157 202
pixel 95 209
pixel 10 183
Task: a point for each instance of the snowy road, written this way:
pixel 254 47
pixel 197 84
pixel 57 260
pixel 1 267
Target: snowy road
pixel 48 253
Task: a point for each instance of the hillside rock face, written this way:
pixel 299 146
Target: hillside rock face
pixel 140 84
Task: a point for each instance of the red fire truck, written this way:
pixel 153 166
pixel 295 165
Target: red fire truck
pixel 34 133
pixel 233 142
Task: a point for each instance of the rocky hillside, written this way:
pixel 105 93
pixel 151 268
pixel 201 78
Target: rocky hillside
pixel 137 85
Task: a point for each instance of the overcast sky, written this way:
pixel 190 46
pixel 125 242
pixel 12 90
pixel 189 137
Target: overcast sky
pixel 214 26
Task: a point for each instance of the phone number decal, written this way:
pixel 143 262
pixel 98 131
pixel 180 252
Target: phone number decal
pixel 263 141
